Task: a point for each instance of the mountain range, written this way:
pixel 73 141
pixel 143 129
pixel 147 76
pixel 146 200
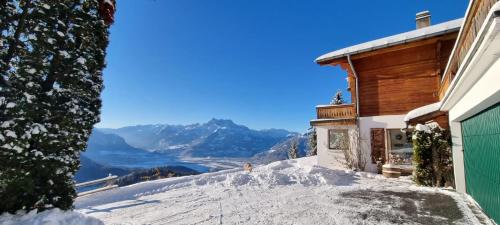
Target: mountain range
pixel 113 151
pixel 216 138
pixel 214 145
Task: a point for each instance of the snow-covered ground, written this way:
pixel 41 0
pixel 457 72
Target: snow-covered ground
pixel 214 163
pixel 284 192
pixel 49 217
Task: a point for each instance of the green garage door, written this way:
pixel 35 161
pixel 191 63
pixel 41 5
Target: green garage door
pixel 481 142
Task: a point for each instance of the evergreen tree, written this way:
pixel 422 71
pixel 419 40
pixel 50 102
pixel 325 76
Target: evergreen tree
pixel 51 61
pixel 313 142
pixel 432 155
pixel 293 152
pixel 338 98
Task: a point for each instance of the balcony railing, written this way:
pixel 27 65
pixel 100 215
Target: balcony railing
pixel 346 111
pixel 473 21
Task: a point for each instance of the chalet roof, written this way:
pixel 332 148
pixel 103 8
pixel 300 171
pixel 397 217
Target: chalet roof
pixel 421 111
pixel 414 35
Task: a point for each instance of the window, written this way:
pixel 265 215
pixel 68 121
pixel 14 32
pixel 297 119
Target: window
pixel 401 149
pixel 338 139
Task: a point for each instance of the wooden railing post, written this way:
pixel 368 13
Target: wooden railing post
pixel 94 182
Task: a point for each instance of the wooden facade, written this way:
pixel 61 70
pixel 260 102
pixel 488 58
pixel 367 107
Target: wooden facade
pixel 398 79
pixel 473 22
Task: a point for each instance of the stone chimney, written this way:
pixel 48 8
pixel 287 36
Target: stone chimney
pixel 423 19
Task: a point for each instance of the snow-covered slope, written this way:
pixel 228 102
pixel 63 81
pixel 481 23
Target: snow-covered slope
pixel 284 192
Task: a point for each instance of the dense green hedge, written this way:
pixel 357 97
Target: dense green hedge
pixel 432 156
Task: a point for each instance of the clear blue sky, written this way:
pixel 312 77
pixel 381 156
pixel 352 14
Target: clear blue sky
pixel 187 61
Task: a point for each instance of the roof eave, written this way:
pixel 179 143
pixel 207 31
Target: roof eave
pixel 324 59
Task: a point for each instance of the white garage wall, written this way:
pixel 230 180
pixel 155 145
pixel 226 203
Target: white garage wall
pixel 483 94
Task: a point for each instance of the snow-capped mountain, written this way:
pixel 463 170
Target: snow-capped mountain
pixel 216 138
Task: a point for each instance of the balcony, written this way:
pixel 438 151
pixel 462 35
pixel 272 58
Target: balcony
pixel 335 115
pixel 474 20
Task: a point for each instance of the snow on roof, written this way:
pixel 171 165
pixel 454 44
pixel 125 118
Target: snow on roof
pixel 426 109
pixel 414 35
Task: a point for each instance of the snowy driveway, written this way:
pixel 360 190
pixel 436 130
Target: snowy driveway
pixel 286 192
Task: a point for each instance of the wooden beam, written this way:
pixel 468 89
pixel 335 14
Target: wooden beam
pixel 333 122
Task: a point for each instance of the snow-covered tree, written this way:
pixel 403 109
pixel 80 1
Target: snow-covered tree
pixel 293 152
pixel 312 142
pixel 51 61
pixel 432 155
pixel 337 99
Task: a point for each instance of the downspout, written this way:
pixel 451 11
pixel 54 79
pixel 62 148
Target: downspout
pixel 357 111
pixel 355 77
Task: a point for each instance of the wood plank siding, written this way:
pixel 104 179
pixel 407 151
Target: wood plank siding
pixel 398 81
pixel 474 20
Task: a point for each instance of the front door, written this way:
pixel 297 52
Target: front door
pixel 378 144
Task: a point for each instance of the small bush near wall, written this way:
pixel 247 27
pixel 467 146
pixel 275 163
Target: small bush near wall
pixel 353 156
pixel 432 156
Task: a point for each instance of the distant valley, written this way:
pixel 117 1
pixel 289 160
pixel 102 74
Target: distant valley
pixel 216 138
pixel 211 146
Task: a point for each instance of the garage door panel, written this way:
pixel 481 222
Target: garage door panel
pixel 482 151
pixel 481 142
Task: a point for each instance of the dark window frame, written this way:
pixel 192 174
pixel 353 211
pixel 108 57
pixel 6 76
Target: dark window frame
pixel 346 131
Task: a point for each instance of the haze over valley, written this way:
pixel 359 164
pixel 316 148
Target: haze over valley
pixel 215 145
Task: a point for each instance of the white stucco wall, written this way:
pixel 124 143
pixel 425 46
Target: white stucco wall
pixel 329 158
pixel 365 125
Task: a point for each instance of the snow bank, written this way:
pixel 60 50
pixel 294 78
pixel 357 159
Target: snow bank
pixel 49 217
pixel 302 171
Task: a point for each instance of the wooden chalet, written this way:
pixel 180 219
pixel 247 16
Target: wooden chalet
pixel 387 78
pixel 447 73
